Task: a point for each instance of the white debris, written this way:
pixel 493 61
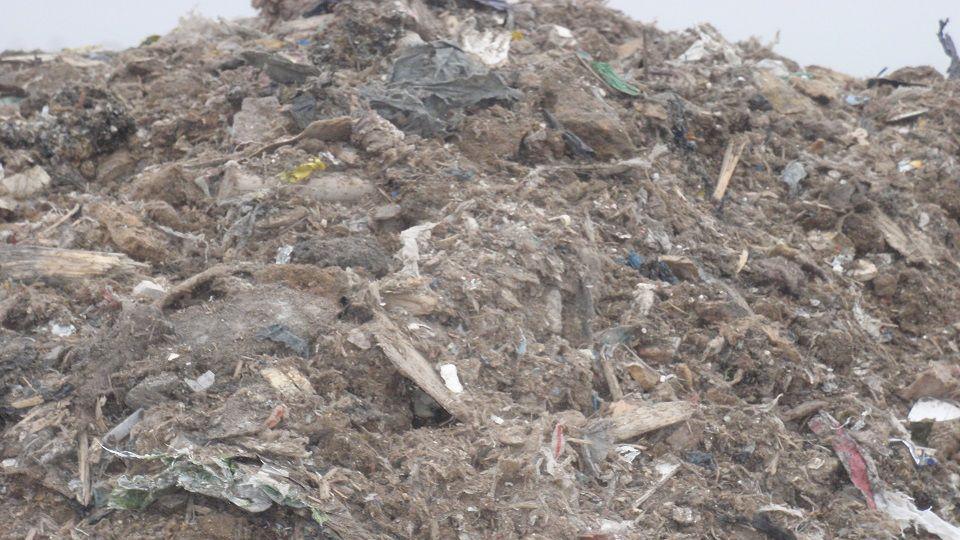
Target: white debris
pixel 410 252
pixel 448 372
pixel 283 254
pixel 492 48
pixel 870 324
pixel 202 382
pixel 933 409
pixel 149 289
pixel 776 67
pixel 628 452
pixel 709 44
pixel 902 509
pixel 792 175
pixel 62 330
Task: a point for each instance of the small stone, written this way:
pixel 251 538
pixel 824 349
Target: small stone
pixel 153 390
pixel 27 183
pixel 683 515
pixel 149 289
pixel 863 270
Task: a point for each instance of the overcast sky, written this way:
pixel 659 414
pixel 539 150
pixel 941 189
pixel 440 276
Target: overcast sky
pixel 855 36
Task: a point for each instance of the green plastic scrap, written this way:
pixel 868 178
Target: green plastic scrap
pixel 252 487
pixel 606 74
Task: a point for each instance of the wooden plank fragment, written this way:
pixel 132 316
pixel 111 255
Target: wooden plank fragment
pixel 731 157
pixel 630 420
pixel 415 367
pixel 34 262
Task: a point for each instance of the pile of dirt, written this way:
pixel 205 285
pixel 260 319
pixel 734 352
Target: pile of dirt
pixel 474 269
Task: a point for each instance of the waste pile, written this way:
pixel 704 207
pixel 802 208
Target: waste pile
pixel 475 269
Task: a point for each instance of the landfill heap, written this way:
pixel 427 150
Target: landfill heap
pixel 470 269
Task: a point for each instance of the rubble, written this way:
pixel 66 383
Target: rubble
pixel 432 269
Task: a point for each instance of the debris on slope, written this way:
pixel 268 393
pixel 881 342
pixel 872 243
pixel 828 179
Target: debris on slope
pixel 435 269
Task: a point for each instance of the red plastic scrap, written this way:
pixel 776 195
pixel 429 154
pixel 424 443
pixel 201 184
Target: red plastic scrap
pixel 853 459
pixel 558 441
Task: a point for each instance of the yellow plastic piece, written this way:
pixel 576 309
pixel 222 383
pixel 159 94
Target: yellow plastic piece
pixel 303 171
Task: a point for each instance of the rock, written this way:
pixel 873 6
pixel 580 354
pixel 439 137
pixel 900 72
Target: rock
pixel 27 183
pixel 386 212
pixel 237 181
pixel 682 267
pixel 259 120
pixel 783 98
pixel 815 89
pixel 940 380
pixel 783 273
pixel 130 234
pixel 863 270
pixel 116 166
pixel 348 252
pixel 149 289
pixel 337 187
pixel 169 183
pixel 590 118
pixel 153 390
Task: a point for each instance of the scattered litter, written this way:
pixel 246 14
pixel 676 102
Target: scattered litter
pixel 201 383
pixel 792 175
pixel 492 48
pixel 933 410
pixel 902 509
pixel 449 374
pixel 303 171
pixel 252 487
pixel 281 334
pixel 922 456
pixel 431 84
pixel 62 330
pixel 283 254
pixel 907 165
pixel 605 73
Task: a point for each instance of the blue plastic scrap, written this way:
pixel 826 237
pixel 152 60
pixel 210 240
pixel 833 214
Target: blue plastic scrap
pixel 501 5
pixel 921 455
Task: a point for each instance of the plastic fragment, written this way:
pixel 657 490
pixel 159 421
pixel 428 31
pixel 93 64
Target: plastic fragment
pixel 281 334
pixel 606 73
pixel 907 165
pixel 933 410
pixel 922 456
pixel 448 372
pixel 62 330
pixel 254 488
pixel 201 383
pixel 792 174
pixel 303 171
pixel 283 254
pixel 501 5
pixel 858 466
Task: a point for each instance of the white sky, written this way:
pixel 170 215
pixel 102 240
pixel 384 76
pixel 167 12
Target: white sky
pixel 858 37
pixel 855 36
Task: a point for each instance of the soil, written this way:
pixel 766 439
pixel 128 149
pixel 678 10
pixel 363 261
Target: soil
pixel 564 246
